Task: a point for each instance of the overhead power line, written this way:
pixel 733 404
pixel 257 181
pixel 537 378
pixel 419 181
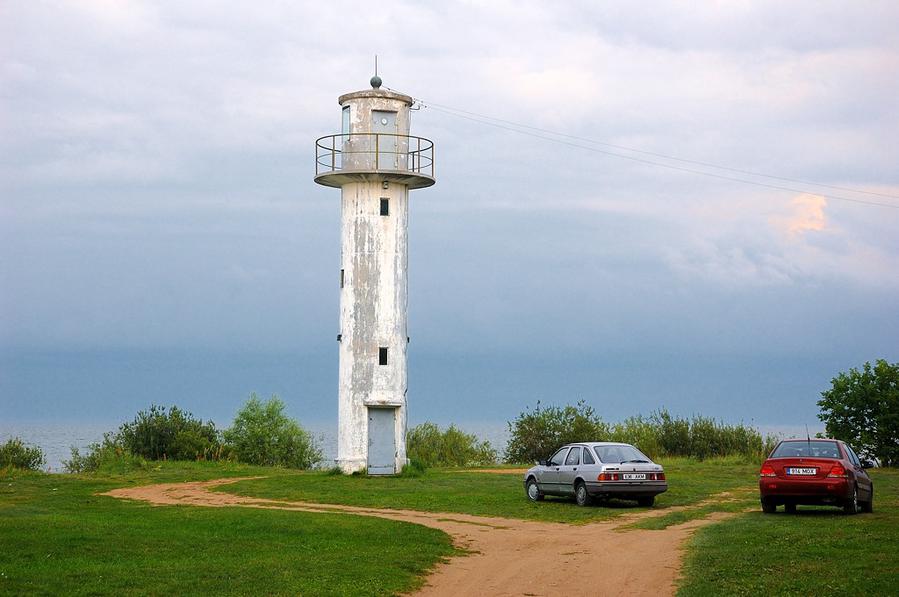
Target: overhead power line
pixel 540 133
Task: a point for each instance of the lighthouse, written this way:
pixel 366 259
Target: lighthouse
pixel 375 162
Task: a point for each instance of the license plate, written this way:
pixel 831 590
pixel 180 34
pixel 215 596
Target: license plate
pixel 802 471
pixel 634 476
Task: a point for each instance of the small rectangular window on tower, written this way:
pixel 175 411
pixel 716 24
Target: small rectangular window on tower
pixel 385 206
pixel 341 278
pixel 382 355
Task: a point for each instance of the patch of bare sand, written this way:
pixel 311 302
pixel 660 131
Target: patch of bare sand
pixel 506 556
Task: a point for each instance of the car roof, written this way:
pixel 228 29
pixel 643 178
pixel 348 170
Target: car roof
pixel 814 439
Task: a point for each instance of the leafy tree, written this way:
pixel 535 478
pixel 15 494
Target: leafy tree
pixel 537 433
pixel 263 434
pixel 17 454
pixel 427 445
pixel 862 409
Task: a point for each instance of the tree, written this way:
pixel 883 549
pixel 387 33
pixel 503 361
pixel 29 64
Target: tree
pixel 862 409
pixel 263 434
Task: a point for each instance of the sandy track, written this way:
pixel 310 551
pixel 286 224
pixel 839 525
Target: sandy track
pixel 508 557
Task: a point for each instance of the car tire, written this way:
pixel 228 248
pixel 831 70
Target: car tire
pixel 790 508
pixel 533 491
pixel 868 507
pixel 768 506
pixel 851 505
pixel 646 502
pixel 581 495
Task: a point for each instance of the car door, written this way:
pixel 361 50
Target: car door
pixel 865 485
pixel 568 471
pixel 549 476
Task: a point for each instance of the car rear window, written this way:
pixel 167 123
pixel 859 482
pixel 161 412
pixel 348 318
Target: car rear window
pixel 622 453
pixel 807 449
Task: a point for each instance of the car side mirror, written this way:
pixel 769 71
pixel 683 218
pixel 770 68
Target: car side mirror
pixel 867 464
pixel 542 462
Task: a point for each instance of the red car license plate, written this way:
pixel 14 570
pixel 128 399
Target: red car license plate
pixel 802 471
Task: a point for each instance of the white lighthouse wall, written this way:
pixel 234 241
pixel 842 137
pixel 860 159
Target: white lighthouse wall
pixel 373 303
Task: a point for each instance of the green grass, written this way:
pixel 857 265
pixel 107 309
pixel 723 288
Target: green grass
pixel 57 537
pixel 490 494
pixel 818 551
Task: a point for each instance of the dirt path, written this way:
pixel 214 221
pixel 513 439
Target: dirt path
pixel 508 557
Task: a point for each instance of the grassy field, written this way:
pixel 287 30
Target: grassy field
pixel 57 537
pixel 490 494
pixel 818 551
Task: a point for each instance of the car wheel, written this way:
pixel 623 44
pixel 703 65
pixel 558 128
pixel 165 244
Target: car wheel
pixel 851 506
pixel 869 505
pixel 646 502
pixel 768 506
pixel 790 508
pixel 534 493
pixel 580 494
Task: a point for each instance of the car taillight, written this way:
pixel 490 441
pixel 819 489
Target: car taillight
pixel 607 477
pixel 660 476
pixel 837 470
pixel 767 471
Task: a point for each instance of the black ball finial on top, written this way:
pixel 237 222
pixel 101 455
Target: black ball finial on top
pixel 375 82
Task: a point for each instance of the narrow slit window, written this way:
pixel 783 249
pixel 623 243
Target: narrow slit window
pixel 385 206
pixel 382 355
pixel 341 278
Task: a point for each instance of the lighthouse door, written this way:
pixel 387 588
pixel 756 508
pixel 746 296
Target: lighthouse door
pixel 381 441
pixel 384 123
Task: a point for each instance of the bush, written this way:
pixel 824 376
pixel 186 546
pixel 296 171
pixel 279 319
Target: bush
pixel 108 455
pixel 158 434
pixel 263 434
pixel 537 434
pixel 414 469
pixel 427 446
pixel 17 454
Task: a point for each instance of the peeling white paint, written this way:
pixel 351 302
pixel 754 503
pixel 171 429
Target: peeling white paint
pixel 374 257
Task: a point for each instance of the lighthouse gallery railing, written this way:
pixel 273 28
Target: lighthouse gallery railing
pixel 374 152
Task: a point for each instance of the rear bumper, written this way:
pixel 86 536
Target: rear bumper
pixel 805 491
pixel 623 488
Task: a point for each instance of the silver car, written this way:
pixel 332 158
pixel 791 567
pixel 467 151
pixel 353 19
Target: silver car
pixel 597 470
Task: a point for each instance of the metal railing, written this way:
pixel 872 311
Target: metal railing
pixel 374 152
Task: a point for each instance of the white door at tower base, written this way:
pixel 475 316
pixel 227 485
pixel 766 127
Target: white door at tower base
pixel 381 441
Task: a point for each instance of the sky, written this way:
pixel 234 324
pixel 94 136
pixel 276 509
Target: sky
pixel 162 239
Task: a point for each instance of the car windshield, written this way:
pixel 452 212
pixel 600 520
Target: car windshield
pixel 806 449
pixel 622 453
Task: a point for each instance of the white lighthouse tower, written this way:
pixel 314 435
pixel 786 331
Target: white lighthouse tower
pixel 375 163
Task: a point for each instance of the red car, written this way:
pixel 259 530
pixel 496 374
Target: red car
pixel 815 472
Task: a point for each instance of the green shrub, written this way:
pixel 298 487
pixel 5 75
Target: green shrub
pixel 537 434
pixel 263 434
pixel 173 434
pixel 415 468
pixel 17 454
pixel 427 445
pixel 108 456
